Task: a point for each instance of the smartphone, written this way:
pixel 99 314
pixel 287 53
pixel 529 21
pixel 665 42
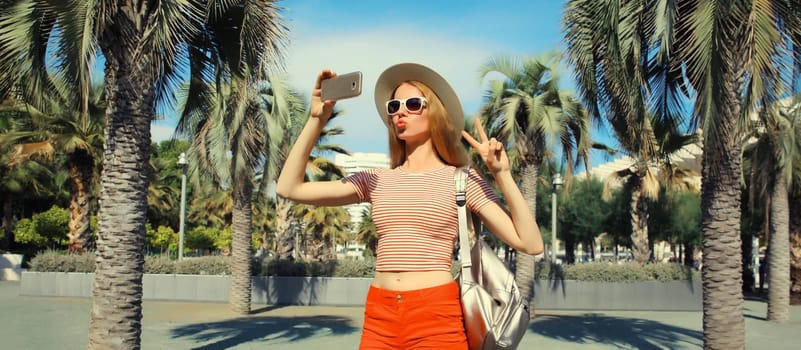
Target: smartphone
pixel 342 86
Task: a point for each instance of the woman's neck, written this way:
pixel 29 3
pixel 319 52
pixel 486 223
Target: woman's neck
pixel 421 157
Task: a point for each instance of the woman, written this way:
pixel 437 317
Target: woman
pixel 413 301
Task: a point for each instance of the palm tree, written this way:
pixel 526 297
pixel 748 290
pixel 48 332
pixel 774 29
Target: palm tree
pixel 367 233
pixel 733 55
pixel 59 127
pixel 795 230
pixel 17 179
pixel 211 206
pixel 678 191
pixel 645 124
pixel 642 178
pixel 131 36
pixel 264 220
pixel 163 194
pixel 324 227
pixel 772 157
pixel 141 42
pixel 287 225
pixel 233 110
pixel 231 128
pixel 527 110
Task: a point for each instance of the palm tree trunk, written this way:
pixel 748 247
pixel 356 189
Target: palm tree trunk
pixel 8 234
pixel 524 267
pixel 795 243
pixel 779 259
pixel 723 322
pixel 116 314
pixel 570 250
pixel 242 247
pixel 283 234
pixel 640 249
pixel 689 254
pixel 80 172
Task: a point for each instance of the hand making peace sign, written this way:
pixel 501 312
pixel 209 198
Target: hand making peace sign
pixel 491 150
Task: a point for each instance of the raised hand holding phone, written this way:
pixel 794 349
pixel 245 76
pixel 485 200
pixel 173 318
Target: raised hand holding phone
pixel 342 86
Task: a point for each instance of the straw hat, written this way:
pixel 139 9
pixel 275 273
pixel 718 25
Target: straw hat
pixel 393 76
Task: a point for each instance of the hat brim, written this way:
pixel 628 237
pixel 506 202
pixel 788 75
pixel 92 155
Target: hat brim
pixel 393 76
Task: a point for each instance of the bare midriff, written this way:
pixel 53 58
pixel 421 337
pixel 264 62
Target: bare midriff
pixel 405 281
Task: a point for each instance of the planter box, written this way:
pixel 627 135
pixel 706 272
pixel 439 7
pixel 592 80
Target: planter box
pixel 549 295
pixel 340 291
pixel 10 267
pixel 266 290
pixel 645 295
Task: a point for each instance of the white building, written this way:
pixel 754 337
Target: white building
pixel 689 157
pixel 351 250
pixel 354 163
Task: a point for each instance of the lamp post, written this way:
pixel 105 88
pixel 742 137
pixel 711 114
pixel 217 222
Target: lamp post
pixel 557 181
pixel 181 225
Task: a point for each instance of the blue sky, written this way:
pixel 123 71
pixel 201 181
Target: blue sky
pixel 453 37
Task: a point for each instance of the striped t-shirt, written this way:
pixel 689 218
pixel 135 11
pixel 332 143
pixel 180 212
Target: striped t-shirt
pixel 415 214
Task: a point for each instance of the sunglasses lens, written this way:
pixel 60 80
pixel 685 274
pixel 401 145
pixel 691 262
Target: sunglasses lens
pixel 393 106
pixel 414 104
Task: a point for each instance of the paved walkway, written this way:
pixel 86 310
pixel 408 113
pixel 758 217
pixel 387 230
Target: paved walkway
pixel 61 323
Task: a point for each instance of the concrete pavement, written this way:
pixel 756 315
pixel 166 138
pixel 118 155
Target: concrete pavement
pixel 61 323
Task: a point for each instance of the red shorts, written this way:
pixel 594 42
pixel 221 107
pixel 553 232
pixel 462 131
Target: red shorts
pixel 429 318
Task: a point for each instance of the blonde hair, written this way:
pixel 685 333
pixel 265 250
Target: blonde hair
pixel 444 136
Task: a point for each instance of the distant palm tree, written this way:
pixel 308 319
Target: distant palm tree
pixel 642 178
pixel 59 127
pixel 234 109
pixel 230 130
pixel 367 233
pixel 323 228
pixel 732 56
pixel 17 179
pixel 772 158
pixel 528 111
pixel 211 205
pixel 264 220
pixel 287 224
pixel 164 191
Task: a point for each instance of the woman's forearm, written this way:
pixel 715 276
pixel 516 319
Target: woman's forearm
pixel 522 218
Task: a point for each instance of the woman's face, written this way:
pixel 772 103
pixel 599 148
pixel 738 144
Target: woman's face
pixel 410 126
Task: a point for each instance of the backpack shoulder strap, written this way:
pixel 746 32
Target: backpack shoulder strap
pixel 460 180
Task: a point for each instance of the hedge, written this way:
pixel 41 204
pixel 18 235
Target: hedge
pixel 54 261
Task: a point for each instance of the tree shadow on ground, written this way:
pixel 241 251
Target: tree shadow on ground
pixel 616 331
pixel 269 329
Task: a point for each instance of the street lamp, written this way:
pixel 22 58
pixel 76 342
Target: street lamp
pixel 181 225
pixel 557 181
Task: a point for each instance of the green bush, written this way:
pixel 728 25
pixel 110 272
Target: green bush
pixel 45 229
pixel 205 265
pixel 354 268
pixel 276 267
pixel 59 261
pixel 159 264
pixel 607 272
pixel 56 261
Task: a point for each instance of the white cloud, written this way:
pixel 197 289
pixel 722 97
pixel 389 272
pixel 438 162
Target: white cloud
pixel 457 59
